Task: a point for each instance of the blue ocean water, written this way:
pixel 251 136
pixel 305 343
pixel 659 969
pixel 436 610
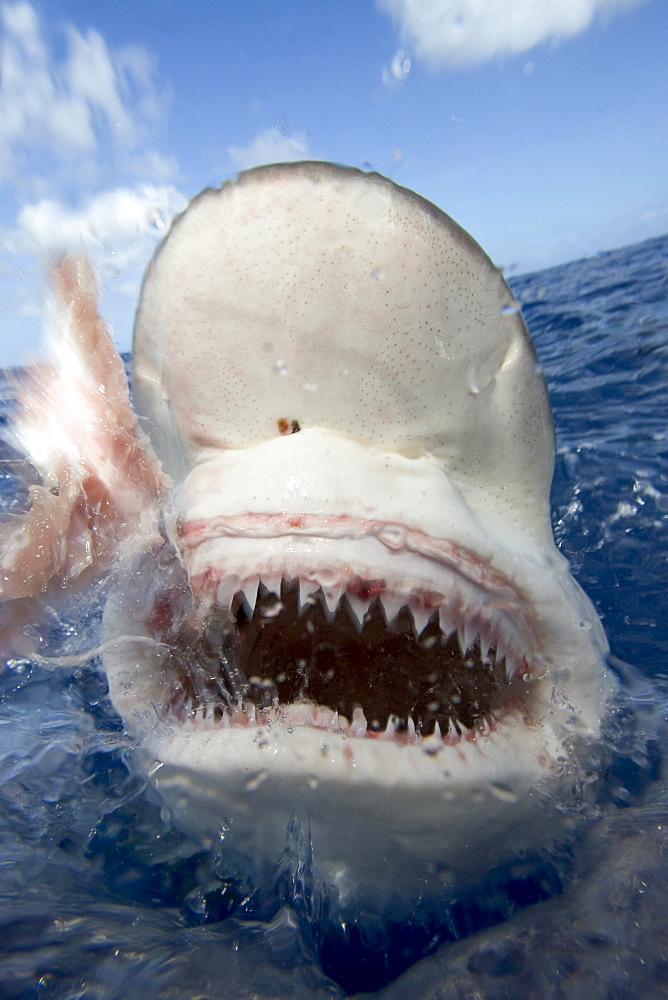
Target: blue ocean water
pixel 101 898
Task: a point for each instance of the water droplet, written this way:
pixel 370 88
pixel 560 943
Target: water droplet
pixel 155 218
pixel 310 387
pixel 503 792
pixel 272 610
pixel 256 780
pixel 441 348
pixel 511 309
pixel 281 367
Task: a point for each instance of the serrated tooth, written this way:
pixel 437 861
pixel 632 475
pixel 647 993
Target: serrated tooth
pixel 390 728
pixel 334 724
pixel 462 640
pixel 357 607
pixel 391 605
pixel 484 646
pixel 331 598
pixel 470 632
pixel 358 724
pixel 511 668
pixel 454 734
pixel 225 591
pixel 437 731
pixel 447 621
pixel 272 582
pixel 249 595
pixel 307 588
pixel 421 618
pixel 412 735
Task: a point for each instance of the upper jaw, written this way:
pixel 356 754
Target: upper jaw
pixel 350 524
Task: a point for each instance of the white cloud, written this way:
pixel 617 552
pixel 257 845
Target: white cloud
pixel 118 229
pixel 459 32
pixel 272 145
pixel 71 107
pixel 78 166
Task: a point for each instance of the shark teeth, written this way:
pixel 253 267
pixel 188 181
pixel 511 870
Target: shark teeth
pixel 307 589
pixel 358 725
pixel 331 597
pixel 391 605
pixel 472 625
pixel 358 608
pixel 248 595
pixel 421 618
pixel 285 650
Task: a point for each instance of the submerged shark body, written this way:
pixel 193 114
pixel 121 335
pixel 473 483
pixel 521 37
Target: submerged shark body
pixel 336 597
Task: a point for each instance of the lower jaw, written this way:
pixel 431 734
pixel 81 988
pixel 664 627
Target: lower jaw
pixel 382 808
pixel 393 818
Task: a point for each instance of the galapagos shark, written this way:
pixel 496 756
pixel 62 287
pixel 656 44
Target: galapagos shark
pixel 335 594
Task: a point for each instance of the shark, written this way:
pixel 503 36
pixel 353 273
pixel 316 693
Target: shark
pixel 334 596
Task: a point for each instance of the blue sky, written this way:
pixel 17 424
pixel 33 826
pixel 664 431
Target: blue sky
pixel 539 125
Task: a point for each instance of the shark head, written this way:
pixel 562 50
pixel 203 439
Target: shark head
pixel 358 616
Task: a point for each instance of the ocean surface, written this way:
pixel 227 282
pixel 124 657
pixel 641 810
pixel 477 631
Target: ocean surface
pixel 100 899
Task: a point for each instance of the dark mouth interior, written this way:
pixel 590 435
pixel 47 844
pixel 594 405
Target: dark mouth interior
pixel 403 684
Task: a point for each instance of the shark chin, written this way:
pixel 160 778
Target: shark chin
pixel 336 598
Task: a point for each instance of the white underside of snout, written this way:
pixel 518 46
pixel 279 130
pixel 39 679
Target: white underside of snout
pixel 317 471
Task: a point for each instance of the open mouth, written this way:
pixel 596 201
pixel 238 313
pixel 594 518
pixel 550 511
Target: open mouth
pixel 363 665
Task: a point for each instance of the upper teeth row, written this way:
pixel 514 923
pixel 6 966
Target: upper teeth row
pixel 470 626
